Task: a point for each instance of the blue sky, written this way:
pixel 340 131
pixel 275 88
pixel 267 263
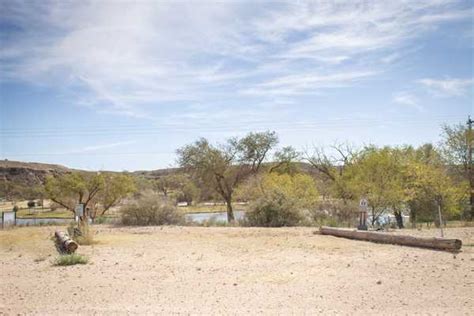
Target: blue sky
pixel 119 85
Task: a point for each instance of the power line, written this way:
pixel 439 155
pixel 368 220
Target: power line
pixel 250 125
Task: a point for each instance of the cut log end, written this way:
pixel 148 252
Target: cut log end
pixel 65 243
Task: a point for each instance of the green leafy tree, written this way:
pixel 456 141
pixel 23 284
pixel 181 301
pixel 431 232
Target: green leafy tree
pixel 224 167
pixel 378 176
pixel 93 190
pixel 116 187
pixel 429 186
pixel 455 149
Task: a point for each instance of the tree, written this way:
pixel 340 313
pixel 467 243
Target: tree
pixel 333 168
pixel 429 186
pixel 167 183
pixel 226 166
pixel 285 161
pixel 115 188
pixel 188 191
pixel 93 190
pixel 457 141
pixel 377 175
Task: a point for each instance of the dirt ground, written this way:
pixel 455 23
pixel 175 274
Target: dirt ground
pixel 195 270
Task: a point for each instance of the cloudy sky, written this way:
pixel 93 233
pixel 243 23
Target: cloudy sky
pixel 121 84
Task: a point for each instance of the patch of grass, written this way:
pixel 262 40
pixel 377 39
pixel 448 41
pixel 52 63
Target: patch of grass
pixel 46 213
pixel 72 259
pixel 210 208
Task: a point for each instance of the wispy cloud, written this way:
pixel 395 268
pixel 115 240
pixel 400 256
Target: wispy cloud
pixel 407 98
pixel 124 57
pixel 447 87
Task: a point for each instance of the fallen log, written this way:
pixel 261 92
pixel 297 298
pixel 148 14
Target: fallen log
pixel 65 244
pixel 423 242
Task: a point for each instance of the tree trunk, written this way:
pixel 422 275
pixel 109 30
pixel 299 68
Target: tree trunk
pixel 413 218
pixel 434 243
pixel 374 218
pixel 399 218
pixel 230 211
pixel 471 200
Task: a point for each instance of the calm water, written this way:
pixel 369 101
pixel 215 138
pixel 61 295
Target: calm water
pixel 195 217
pixel 218 217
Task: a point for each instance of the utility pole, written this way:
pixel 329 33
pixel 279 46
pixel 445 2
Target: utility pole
pixel 470 141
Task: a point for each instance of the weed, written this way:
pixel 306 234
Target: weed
pixel 72 259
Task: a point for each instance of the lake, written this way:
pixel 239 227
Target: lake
pixel 195 217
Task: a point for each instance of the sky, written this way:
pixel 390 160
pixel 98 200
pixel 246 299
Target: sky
pixel 120 85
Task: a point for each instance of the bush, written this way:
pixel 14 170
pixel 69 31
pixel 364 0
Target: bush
pixel 72 259
pixel 334 213
pixel 81 234
pixel 279 199
pixel 31 204
pixel 151 209
pixel 276 211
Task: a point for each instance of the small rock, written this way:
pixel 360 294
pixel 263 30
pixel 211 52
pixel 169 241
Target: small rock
pixel 379 282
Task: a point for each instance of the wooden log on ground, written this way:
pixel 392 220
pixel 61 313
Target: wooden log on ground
pixel 423 242
pixel 65 243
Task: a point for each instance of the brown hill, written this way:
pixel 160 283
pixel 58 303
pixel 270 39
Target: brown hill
pixel 28 173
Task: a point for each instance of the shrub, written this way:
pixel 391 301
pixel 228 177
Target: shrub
pixel 81 234
pixel 31 204
pixel 275 211
pixel 279 199
pixel 16 208
pixel 151 209
pixel 69 260
pixel 333 212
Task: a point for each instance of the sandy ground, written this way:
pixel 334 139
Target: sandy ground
pixel 193 270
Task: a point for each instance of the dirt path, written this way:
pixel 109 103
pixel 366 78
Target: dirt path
pixel 190 270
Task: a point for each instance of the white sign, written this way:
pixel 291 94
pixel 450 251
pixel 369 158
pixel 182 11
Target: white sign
pixel 363 203
pixel 79 210
pixel 8 219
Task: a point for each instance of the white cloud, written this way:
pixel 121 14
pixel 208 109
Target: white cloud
pixel 407 98
pixel 447 87
pixel 125 56
pixel 307 83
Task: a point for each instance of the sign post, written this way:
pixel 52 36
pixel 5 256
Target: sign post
pixel 363 204
pixel 79 211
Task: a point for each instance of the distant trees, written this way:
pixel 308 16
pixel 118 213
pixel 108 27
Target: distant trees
pixel 98 192
pixel 393 179
pixel 180 184
pixel 224 167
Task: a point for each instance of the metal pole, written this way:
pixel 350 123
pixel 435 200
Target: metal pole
pixel 469 141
